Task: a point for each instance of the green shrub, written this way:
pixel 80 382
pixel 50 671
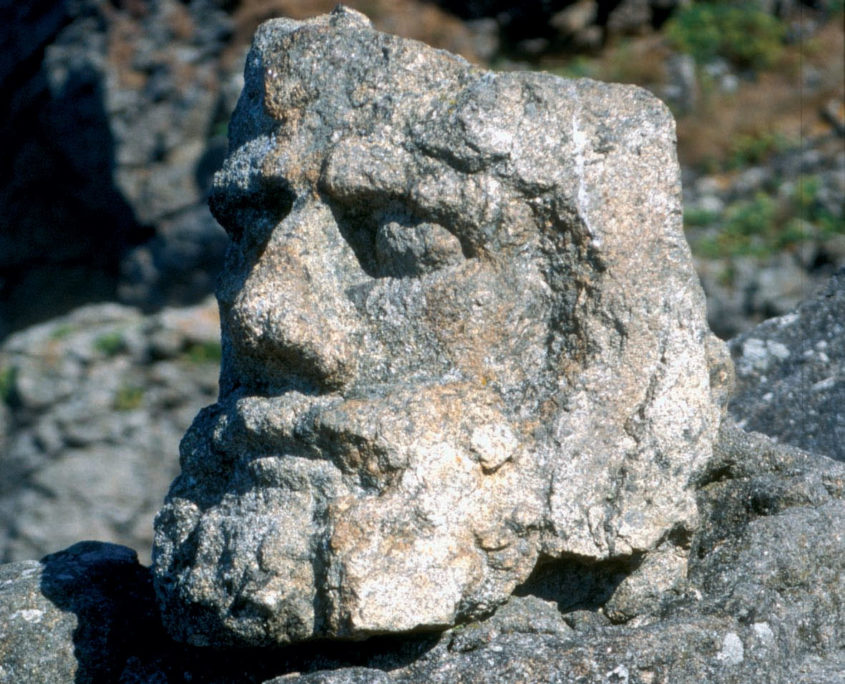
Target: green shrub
pixel 749 228
pixel 8 384
pixel 767 223
pixel 748 150
pixel 699 217
pixel 204 352
pixel 128 398
pixel 743 34
pixel 110 343
pixel 810 210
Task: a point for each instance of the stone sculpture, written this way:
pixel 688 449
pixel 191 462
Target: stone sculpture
pixel 462 335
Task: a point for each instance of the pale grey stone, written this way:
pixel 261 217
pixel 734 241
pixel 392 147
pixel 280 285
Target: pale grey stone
pixel 461 333
pixel 94 405
pixel 791 374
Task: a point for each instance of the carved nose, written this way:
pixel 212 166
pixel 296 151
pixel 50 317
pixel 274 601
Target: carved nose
pixel 291 320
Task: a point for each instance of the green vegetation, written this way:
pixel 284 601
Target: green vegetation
pixel 810 210
pixel 204 352
pixel 110 344
pixel 128 397
pixel 60 332
pixel 699 217
pixel 741 33
pixel 766 223
pixel 747 150
pixel 8 384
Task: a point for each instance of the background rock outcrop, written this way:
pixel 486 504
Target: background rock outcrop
pixel 112 127
pixel 791 374
pixel 92 408
pixel 461 332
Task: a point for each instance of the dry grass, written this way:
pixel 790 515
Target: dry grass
pixel 415 19
pixel 778 105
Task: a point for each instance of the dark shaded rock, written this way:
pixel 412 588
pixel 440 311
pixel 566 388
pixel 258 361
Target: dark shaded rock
pixel 111 115
pixel 75 616
pixel 791 374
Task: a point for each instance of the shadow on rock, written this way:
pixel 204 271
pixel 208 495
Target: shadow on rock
pixel 111 596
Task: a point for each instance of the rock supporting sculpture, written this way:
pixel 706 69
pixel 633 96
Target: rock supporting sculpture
pixel 462 334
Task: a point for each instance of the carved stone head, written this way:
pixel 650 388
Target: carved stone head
pixel 461 333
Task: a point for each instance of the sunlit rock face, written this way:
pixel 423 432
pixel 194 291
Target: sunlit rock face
pixel 462 335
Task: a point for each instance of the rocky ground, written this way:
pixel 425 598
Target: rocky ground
pixel 761 602
pixel 127 104
pixel 93 406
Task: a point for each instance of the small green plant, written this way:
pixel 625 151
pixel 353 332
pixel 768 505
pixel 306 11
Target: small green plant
pixel 110 344
pixel 741 33
pixel 748 230
pixel 811 212
pixel 128 397
pixel 700 217
pixel 577 67
pixel 60 332
pixel 204 352
pixel 747 150
pixel 767 223
pixel 8 384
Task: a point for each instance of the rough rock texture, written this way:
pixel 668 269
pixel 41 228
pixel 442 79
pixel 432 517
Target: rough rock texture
pixel 112 118
pixel 762 602
pixel 75 616
pixel 92 408
pixel 791 374
pixel 461 333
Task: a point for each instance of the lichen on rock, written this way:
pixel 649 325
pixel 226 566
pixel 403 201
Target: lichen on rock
pixel 461 334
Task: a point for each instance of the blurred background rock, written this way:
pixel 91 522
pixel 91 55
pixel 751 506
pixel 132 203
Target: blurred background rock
pixel 113 116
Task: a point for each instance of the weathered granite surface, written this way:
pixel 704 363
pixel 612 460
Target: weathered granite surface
pixel 791 374
pixel 75 616
pixel 92 408
pixel 461 333
pixel 761 602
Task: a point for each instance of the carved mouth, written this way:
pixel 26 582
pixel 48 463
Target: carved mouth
pixel 283 423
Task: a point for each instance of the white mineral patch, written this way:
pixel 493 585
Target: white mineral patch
pixel 732 651
pixel 28 614
pixel 764 633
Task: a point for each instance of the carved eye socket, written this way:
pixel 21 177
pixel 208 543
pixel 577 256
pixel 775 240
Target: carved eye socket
pixel 404 249
pixel 252 212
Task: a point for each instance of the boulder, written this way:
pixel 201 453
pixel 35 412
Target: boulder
pixel 791 374
pixel 75 616
pixel 92 407
pixel 462 339
pixel 760 602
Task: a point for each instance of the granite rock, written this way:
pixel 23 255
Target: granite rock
pixel 462 334
pixel 92 407
pixel 791 374
pixel 75 616
pixel 760 602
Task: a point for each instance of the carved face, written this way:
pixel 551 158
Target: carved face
pixel 459 333
pixel 386 314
